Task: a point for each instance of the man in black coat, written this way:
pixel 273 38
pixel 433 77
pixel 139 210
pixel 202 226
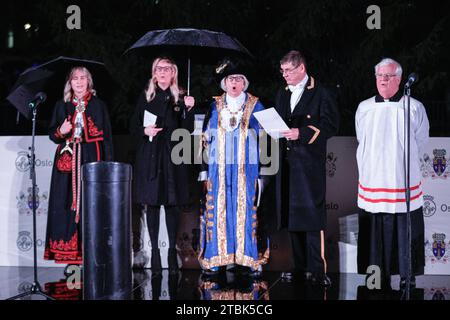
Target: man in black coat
pixel 310 112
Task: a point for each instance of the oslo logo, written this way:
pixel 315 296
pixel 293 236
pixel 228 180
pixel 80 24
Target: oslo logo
pixel 445 207
pixel 331 206
pixel 24 287
pixel 429 207
pixel 161 244
pixel 22 161
pixel 43 163
pixel 24 241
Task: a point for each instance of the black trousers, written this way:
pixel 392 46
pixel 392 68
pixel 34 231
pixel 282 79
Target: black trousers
pixel 382 241
pixel 308 251
pixel 172 219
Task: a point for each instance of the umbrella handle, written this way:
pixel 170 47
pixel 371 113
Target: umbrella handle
pixel 189 77
pixel 188 85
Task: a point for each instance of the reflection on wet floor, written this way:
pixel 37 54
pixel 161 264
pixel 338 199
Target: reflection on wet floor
pixel 228 285
pixel 60 290
pixel 231 285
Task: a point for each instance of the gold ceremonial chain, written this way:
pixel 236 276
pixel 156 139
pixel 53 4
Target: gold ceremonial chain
pixel 234 114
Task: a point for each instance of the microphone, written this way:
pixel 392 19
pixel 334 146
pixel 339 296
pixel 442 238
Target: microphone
pixel 38 99
pixel 412 78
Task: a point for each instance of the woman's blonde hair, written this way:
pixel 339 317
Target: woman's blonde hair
pixel 68 91
pixel 174 89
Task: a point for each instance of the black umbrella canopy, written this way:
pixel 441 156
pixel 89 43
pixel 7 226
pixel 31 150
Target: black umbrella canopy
pixel 197 44
pixel 32 75
pixel 50 77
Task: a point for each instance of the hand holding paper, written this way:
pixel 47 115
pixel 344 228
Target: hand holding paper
pixel 292 134
pixel 272 122
pixel 150 120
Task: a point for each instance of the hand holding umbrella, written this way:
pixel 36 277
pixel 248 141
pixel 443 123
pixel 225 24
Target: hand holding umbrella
pixel 189 102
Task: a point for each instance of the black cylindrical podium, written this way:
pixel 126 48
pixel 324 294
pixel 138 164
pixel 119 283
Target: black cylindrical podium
pixel 106 209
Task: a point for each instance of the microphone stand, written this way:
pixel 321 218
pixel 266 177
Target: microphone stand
pixel 407 93
pixel 36 287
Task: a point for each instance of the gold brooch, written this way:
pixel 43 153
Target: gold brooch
pixel 220 68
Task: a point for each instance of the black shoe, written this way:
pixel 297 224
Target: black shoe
pixel 255 273
pixel 321 280
pixel 412 282
pixel 212 274
pixel 287 276
pixel 212 271
pixel 290 276
pixel 308 276
pixel 250 272
pixel 173 261
pixel 156 263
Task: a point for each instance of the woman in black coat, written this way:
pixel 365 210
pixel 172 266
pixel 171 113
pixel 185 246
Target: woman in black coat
pixel 158 181
pixel 80 126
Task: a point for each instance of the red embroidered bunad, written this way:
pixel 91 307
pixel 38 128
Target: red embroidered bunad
pixel 83 129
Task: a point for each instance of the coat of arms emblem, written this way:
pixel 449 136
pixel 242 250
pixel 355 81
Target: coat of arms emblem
pixel 439 161
pixel 439 245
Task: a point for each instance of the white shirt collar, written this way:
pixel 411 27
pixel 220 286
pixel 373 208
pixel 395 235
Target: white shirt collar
pixel 299 85
pixel 234 103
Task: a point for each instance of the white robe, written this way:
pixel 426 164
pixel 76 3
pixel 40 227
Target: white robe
pixel 381 154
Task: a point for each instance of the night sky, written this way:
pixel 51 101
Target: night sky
pixel 341 50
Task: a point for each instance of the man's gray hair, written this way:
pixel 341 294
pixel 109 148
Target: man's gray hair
pixel 388 61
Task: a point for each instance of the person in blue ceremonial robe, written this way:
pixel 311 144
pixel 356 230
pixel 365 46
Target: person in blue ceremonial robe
pixel 229 223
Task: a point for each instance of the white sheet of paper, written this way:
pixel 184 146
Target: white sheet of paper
pixel 149 118
pixel 271 122
pixel 198 124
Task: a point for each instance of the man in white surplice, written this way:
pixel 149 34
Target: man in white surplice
pixel 381 133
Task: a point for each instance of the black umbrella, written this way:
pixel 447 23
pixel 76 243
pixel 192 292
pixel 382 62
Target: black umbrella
pixel 203 46
pixel 50 78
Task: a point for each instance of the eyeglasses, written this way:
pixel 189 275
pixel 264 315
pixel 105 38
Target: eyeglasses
pixel 75 78
pixel 235 78
pixel 163 69
pixel 385 75
pixel 288 71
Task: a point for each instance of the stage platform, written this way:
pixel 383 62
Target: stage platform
pixel 191 285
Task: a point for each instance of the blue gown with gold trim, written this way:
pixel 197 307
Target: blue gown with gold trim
pixel 229 223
